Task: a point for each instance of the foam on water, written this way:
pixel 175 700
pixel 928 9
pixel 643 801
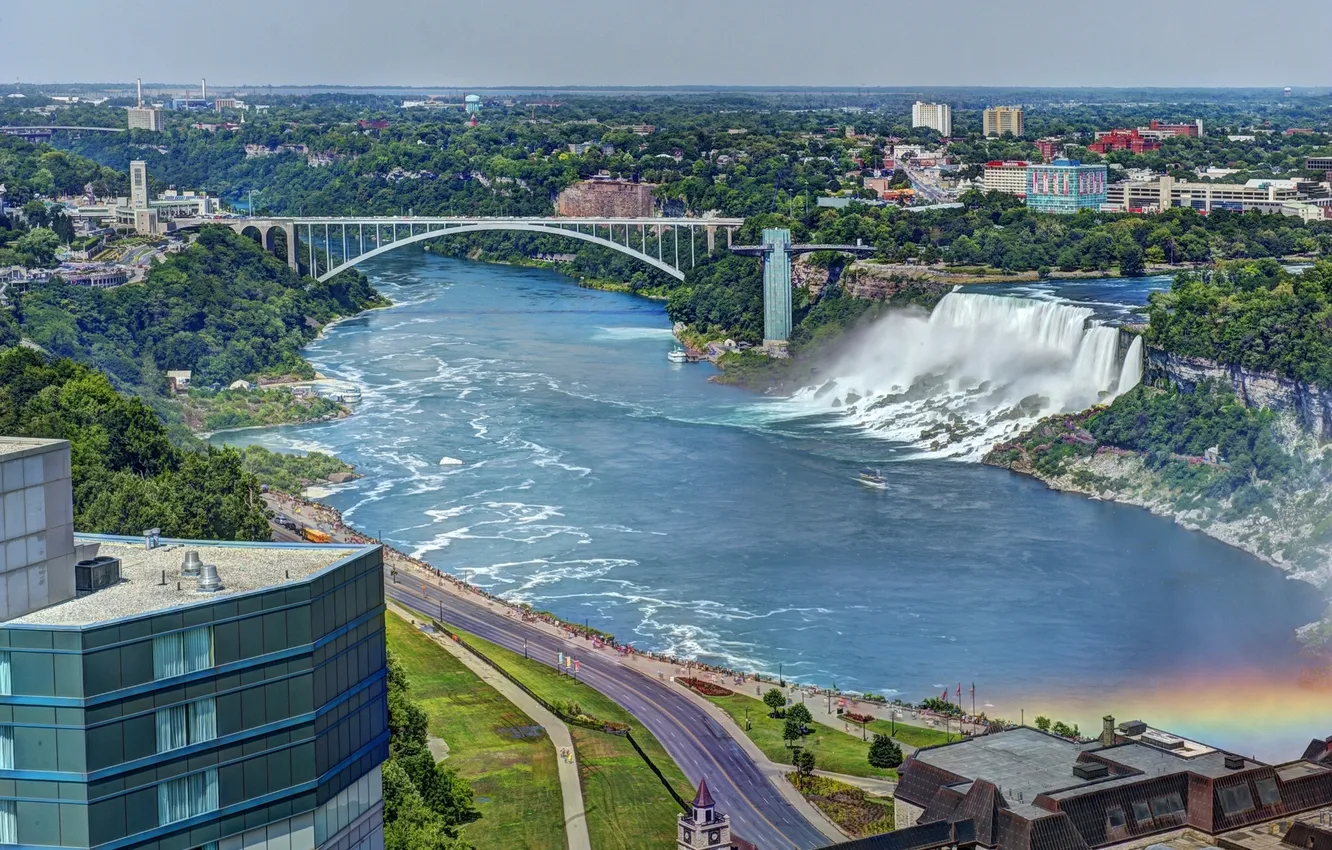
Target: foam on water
pixel 978 370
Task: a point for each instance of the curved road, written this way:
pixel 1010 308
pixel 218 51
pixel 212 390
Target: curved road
pixel 699 745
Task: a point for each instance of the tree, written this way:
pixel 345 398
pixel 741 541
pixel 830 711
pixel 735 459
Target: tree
pixel 800 714
pixel 775 700
pixel 884 752
pixel 1043 723
pixel 804 764
pixel 1131 262
pixel 790 731
pixel 39 245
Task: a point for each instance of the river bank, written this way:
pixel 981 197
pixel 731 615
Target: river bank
pixel 1287 530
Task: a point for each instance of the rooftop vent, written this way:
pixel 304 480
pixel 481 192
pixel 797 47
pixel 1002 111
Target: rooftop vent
pixel 1234 762
pixel 1163 740
pixel 1090 770
pixel 192 564
pixel 1133 727
pixel 96 573
pixel 209 580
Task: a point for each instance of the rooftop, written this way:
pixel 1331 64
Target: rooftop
pixel 242 567
pixel 25 445
pixel 1023 763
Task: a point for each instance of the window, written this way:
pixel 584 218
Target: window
pixel 182 652
pixel 4 674
pixel 1168 805
pixel 1142 814
pixel 1235 799
pixel 187 796
pixel 1115 817
pixel 1268 792
pixel 8 822
pixel 6 747
pixel 181 725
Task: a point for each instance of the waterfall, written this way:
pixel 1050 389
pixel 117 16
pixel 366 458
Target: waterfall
pixel 977 370
pixel 1130 375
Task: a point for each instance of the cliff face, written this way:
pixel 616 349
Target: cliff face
pixel 1310 405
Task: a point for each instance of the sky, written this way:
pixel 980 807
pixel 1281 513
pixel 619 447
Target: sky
pixel 461 43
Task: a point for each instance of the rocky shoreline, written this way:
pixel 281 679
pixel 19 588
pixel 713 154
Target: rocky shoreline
pixel 1280 533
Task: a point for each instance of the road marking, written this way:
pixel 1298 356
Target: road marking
pixel 700 744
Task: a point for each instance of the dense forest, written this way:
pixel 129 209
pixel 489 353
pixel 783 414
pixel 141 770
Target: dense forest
pixel 224 309
pixel 127 475
pixel 1253 314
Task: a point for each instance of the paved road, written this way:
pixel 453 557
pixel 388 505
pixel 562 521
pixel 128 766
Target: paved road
pixel 699 745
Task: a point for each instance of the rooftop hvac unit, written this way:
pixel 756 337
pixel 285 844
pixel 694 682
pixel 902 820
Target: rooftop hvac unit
pixel 1234 762
pixel 96 573
pixel 1090 769
pixel 1133 727
pixel 209 580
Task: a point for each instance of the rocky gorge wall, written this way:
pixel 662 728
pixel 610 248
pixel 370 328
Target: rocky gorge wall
pixel 1310 405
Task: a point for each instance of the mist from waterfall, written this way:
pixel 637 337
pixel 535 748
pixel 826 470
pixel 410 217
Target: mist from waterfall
pixel 977 370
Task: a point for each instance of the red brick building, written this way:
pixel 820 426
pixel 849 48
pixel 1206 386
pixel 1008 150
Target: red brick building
pixel 1123 140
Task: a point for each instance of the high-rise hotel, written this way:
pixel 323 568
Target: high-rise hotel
pixel 177 695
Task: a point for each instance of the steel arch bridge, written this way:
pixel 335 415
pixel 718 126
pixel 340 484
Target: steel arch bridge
pixel 338 243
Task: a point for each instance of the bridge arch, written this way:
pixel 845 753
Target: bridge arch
pixel 525 226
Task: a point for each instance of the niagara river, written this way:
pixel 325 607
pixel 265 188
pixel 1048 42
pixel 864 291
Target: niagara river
pixel 603 483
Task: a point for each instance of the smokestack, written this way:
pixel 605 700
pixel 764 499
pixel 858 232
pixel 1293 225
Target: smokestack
pixel 139 83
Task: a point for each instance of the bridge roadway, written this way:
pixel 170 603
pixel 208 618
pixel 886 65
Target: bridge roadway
pixel 699 745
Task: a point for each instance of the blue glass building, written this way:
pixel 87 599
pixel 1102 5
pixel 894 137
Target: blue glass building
pixel 165 713
pixel 1065 186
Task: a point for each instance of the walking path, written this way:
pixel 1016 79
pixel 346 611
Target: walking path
pixel 571 788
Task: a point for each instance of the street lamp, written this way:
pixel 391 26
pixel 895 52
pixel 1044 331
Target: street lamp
pixel 524 646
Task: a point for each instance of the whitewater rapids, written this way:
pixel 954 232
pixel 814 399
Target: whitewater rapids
pixel 976 371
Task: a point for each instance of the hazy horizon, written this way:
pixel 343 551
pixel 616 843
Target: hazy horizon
pixel 523 44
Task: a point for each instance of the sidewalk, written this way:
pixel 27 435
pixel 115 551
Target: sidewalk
pixel 575 817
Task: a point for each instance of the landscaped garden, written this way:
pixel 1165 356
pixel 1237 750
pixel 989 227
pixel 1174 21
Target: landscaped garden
pixel 855 810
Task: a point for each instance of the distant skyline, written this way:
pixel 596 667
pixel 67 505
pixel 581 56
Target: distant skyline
pixel 524 43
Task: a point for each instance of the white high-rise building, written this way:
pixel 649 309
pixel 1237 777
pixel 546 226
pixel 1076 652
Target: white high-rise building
pixel 936 116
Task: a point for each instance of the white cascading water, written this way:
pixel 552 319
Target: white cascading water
pixel 976 371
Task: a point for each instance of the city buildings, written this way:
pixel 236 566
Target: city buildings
pixel 998 120
pixel 142 117
pixel 936 116
pixel 142 212
pixel 1164 192
pixel 1135 786
pixel 146 118
pixel 228 103
pixel 1065 186
pixel 606 198
pixel 1161 130
pixel 1049 148
pixel 1008 176
pixel 1123 140
pixel 193 695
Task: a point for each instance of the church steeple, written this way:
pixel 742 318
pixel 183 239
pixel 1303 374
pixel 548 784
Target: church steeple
pixel 703 828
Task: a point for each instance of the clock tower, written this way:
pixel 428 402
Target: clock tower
pixel 703 828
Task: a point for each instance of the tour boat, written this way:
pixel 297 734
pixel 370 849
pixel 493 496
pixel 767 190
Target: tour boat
pixel 450 461
pixel 873 477
pixel 678 355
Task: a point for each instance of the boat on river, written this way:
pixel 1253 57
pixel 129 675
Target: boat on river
pixel 678 355
pixel 450 461
pixel 872 478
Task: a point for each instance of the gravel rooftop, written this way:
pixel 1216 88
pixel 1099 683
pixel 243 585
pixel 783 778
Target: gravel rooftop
pixel 140 591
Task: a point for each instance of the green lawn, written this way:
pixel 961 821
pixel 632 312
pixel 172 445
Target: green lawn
pixel 833 750
pixel 627 807
pixel 515 779
pixel 915 736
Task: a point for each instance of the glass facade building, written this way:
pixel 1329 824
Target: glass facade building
pixel 1065 186
pixel 155 714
